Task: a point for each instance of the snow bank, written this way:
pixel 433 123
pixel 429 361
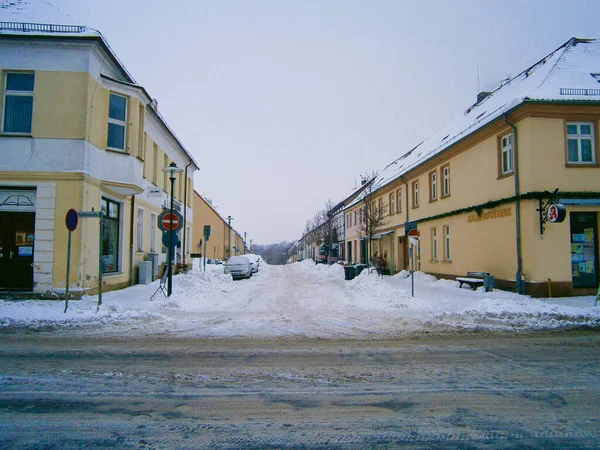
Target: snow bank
pixel 300 300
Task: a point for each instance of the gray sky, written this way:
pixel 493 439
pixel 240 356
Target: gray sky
pixel 285 103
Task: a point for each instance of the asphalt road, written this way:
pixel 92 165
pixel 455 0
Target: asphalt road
pixel 478 391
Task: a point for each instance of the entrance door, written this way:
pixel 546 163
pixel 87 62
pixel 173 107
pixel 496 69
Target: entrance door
pixel 363 251
pixel 584 250
pixel 402 254
pixel 16 250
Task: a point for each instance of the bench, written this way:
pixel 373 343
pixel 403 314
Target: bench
pixel 473 279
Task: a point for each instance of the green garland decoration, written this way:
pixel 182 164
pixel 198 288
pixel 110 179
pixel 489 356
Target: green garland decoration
pixel 495 203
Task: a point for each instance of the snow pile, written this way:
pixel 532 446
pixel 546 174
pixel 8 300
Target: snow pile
pixel 300 300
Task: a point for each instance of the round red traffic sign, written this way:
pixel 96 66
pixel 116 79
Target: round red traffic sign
pixel 414 233
pixel 170 221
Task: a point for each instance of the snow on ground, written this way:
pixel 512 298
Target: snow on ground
pixel 300 300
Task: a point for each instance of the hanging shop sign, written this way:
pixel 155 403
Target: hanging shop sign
pixel 557 213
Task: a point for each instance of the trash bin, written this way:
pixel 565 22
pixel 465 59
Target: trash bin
pixel 360 268
pixel 489 282
pixel 349 272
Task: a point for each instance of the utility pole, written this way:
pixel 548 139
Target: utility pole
pixel 229 219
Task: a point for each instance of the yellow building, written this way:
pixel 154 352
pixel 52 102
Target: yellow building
pixel 224 241
pixel 478 190
pixel 78 132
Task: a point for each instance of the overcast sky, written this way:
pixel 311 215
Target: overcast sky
pixel 285 103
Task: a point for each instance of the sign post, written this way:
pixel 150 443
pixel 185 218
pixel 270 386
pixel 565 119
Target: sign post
pixel 413 236
pixel 71 221
pixel 206 237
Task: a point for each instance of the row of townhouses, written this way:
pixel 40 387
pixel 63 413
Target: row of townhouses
pixel 77 132
pixel 510 187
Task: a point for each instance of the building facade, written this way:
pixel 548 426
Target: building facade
pixel 77 132
pixel 478 190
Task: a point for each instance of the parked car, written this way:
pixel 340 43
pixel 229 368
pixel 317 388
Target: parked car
pixel 238 267
pixel 254 260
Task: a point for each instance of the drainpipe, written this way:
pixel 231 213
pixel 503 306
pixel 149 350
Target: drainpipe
pixel 185 211
pixel 406 194
pixel 131 253
pixel 518 275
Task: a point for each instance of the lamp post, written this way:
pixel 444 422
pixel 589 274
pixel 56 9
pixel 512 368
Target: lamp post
pixel 172 169
pixel 229 219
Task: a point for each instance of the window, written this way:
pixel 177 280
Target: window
pixel 433 186
pixel 399 201
pixel 447 254
pixel 392 202
pixel 140 230
pixel 580 143
pixel 350 220
pixel 380 203
pixel 110 235
pixel 18 103
pixel 141 151
pixel 506 154
pixel 152 232
pixel 434 255
pixel 446 181
pixel 355 222
pixel 415 189
pixel 117 112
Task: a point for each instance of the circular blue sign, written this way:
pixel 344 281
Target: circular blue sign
pixel 174 238
pixel 71 220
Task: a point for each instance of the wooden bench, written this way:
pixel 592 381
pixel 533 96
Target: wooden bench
pixel 473 279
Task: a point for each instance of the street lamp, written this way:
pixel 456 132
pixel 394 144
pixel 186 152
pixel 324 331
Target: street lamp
pixel 172 170
pixel 229 219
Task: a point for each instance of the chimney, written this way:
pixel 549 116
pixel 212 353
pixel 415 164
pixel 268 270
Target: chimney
pixel 482 95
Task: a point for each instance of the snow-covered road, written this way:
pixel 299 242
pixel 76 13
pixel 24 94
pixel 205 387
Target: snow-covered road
pixel 300 300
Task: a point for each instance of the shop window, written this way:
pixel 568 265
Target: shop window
pixel 110 235
pixel 434 255
pixel 117 113
pixel 18 103
pixel 140 230
pixel 580 143
pixel 447 250
pixel 584 249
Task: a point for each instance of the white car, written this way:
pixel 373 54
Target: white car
pixel 238 267
pixel 255 261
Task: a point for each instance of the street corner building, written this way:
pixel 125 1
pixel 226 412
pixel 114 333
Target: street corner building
pixel 510 187
pixel 77 132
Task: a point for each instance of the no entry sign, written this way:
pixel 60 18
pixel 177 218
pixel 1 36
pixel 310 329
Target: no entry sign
pixel 413 236
pixel 170 222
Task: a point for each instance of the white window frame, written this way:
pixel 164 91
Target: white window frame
pixel 506 149
pixel 434 254
pixel 153 221
pixel 433 185
pixel 140 230
pixel 415 187
pixel 446 180
pixel 118 122
pixel 447 242
pixel 398 201
pixel 578 138
pixel 6 93
pixel 392 200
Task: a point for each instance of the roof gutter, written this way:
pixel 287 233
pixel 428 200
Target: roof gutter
pixel 519 275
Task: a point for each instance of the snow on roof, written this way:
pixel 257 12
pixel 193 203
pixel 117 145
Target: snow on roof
pixel 570 73
pixel 33 11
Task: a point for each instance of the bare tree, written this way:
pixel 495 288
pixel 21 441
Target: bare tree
pixel 374 211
